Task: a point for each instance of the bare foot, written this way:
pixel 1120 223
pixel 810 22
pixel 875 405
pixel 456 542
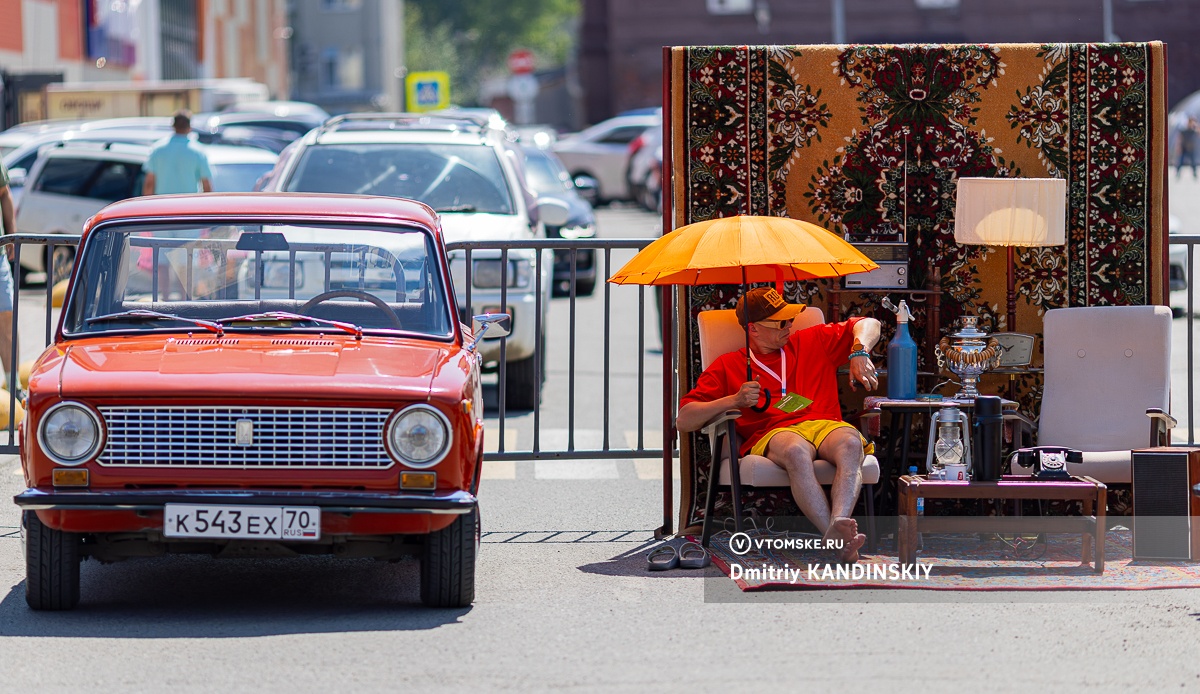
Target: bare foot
pixel 846 530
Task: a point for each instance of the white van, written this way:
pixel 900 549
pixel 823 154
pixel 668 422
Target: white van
pixel 71 183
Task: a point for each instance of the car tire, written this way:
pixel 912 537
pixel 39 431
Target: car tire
pixel 448 563
pixel 51 566
pixel 59 264
pixel 523 388
pixel 585 287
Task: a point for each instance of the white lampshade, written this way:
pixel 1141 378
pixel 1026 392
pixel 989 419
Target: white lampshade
pixel 1011 211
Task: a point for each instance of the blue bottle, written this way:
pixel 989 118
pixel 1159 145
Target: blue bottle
pixel 902 359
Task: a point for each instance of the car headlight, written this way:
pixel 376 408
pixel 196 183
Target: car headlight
pixel 419 436
pixel 583 231
pixel 70 433
pixel 485 274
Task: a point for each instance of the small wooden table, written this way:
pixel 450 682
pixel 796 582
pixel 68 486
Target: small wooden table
pixel 1091 525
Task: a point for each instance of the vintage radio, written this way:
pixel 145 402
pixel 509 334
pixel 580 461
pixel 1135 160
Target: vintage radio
pixel 892 273
pixel 1166 514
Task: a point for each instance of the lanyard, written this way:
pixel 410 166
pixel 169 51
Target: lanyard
pixel 781 377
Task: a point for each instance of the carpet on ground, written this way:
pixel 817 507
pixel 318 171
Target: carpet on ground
pixel 959 562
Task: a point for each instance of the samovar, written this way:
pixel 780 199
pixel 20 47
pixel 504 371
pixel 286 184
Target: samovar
pixel 970 355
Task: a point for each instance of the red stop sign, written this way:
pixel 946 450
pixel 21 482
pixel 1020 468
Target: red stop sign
pixel 520 61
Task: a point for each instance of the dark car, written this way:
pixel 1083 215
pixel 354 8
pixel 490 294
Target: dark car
pixel 548 178
pixel 272 131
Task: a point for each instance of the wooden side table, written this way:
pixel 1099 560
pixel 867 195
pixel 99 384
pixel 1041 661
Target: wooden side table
pixel 1091 525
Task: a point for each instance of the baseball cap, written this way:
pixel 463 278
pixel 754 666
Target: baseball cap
pixel 764 303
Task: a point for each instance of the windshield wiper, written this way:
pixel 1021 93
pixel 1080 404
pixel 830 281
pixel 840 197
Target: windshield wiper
pixel 140 314
pixel 456 208
pixel 351 328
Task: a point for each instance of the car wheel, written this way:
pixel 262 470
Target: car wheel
pixel 448 563
pixel 585 287
pixel 59 264
pixel 523 389
pixel 51 566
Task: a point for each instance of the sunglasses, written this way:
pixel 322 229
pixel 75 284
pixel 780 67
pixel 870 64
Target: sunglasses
pixel 777 324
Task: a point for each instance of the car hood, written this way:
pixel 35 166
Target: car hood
pixel 308 366
pixel 478 226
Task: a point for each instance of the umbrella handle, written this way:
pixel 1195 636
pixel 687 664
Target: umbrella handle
pixel 766 403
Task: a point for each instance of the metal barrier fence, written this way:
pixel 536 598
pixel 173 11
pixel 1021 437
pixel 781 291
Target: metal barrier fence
pixel 467 250
pixel 1186 413
pixel 8 443
pixel 1187 418
pixel 572 249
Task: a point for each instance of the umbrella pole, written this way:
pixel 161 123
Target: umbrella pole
pixel 745 290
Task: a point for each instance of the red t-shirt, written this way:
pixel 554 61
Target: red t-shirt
pixel 813 357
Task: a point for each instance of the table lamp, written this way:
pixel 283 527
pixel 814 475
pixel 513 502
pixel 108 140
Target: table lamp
pixel 1011 212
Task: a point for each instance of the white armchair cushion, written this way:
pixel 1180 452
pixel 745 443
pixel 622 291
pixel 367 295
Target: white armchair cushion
pixel 760 471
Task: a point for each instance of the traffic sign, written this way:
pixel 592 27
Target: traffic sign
pixel 427 91
pixel 520 61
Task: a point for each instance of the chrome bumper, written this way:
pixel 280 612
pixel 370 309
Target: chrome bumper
pixel 456 503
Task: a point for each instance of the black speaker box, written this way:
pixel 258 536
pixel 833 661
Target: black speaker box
pixel 1166 515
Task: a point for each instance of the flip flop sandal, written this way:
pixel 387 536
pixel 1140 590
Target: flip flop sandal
pixel 662 559
pixel 693 556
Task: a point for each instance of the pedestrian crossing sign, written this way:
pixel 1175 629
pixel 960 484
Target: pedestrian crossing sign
pixel 427 91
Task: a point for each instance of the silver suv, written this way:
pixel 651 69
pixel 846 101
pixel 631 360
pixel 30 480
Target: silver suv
pixel 474 178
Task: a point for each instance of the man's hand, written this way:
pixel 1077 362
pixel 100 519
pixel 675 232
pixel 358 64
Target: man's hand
pixel 862 370
pixel 748 395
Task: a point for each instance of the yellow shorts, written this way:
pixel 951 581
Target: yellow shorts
pixel 814 431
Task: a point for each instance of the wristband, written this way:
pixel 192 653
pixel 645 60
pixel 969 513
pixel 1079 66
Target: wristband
pixel 859 353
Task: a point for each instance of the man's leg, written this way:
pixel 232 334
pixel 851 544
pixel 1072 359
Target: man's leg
pixel 7 342
pixel 843 448
pixel 791 452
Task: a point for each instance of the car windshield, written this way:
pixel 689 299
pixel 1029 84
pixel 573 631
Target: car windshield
pixel 447 177
pixel 247 277
pixel 545 175
pixel 237 178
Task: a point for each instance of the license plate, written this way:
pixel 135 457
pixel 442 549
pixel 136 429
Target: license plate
pixel 243 522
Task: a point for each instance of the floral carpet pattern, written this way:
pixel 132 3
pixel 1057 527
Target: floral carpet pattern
pixel 963 562
pixel 869 141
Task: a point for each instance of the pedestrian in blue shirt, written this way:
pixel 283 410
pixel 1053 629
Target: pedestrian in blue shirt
pixel 177 164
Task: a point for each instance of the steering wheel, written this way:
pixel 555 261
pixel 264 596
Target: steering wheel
pixel 353 294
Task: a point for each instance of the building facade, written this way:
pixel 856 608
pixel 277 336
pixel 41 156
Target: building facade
pixel 348 55
pixel 620 49
pixel 90 41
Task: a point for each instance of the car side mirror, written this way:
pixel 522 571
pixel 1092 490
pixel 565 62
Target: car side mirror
pixel 16 177
pixel 498 324
pixel 553 212
pixel 588 188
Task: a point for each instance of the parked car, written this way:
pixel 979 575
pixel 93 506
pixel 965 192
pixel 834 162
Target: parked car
pixel 19 134
pixel 1177 268
pixel 72 182
pixel 645 168
pixel 20 160
pixel 602 153
pixel 265 130
pixel 474 178
pixel 548 178
pixel 344 418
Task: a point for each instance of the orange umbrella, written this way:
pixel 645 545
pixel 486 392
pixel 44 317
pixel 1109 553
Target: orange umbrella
pixel 740 250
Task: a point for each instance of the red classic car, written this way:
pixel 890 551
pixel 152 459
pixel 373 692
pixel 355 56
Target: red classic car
pixel 256 375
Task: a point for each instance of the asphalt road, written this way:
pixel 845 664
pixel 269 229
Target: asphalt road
pixel 564 602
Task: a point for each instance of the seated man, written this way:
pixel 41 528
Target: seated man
pixel 805 364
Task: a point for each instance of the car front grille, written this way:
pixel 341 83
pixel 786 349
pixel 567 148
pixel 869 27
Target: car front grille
pixel 284 438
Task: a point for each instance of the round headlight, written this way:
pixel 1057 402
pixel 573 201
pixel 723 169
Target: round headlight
pixel 70 433
pixel 419 436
